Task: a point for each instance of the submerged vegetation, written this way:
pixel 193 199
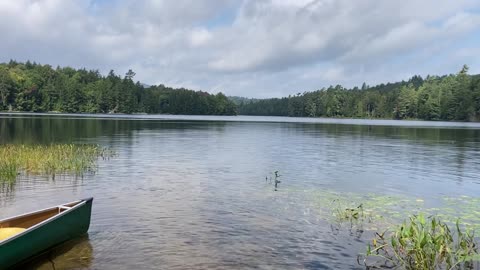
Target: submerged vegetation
pixel 407 233
pixel 49 160
pixel 375 212
pixel 418 243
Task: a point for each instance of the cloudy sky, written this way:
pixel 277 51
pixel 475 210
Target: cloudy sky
pixel 254 48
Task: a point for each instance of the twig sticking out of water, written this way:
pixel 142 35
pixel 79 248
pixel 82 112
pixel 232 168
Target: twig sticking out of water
pixel 276 175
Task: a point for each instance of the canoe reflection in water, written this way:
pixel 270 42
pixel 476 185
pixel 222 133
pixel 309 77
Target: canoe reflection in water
pixel 74 254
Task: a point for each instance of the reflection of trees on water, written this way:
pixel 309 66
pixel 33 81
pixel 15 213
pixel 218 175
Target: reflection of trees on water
pixel 30 182
pixel 451 146
pixel 42 129
pixel 7 192
pixel 74 254
pixel 47 129
pixel 425 135
pixel 54 129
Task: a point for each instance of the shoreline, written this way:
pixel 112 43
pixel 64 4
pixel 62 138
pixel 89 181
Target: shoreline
pixel 259 119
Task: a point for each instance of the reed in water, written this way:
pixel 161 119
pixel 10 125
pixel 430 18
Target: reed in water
pixel 49 159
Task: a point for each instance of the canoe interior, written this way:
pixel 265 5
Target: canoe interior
pixel 28 220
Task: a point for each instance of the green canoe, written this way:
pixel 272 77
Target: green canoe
pixel 22 237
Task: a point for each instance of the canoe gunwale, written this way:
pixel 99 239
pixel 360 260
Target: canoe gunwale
pixel 77 203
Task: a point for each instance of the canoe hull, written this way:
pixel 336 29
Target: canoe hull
pixel 58 230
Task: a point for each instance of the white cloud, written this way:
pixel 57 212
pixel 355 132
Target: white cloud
pixel 255 48
pixel 199 37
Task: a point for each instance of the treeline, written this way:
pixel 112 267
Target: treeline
pixel 32 87
pixel 452 97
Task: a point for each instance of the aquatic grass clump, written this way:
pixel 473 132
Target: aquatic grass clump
pixel 350 214
pixel 8 170
pixel 425 243
pixel 49 159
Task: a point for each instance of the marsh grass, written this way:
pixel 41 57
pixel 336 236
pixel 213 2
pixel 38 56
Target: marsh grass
pixel 424 243
pixel 49 160
pixel 8 170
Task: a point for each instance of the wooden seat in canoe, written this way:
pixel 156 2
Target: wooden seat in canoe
pixel 9 232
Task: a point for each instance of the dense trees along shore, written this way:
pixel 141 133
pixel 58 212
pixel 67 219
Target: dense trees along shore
pixel 452 97
pixel 33 87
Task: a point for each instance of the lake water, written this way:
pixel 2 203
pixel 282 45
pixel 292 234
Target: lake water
pixel 189 192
